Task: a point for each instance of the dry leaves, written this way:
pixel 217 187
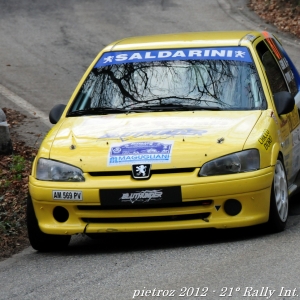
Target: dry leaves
pixel 14 172
pixel 284 14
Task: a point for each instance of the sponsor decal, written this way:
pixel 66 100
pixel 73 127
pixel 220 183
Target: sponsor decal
pixel 156 132
pixel 156 127
pixel 216 53
pixel 266 139
pixel 283 63
pixel 142 196
pixel 126 153
pixel 289 76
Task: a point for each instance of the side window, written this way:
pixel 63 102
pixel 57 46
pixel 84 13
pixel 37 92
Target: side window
pixel 288 73
pixel 274 74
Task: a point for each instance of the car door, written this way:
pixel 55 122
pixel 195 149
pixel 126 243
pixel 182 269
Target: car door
pixel 281 78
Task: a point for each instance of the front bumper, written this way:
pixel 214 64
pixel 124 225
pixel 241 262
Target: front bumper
pixel 251 189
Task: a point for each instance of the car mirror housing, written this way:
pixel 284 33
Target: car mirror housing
pixel 284 102
pixel 56 113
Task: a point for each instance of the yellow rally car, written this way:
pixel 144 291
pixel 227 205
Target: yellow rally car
pixel 177 131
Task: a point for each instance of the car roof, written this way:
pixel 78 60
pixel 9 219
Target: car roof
pixel 184 40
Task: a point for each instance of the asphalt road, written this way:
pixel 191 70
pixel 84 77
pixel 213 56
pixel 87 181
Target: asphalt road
pixel 45 46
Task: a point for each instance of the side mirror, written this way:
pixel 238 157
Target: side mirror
pixel 56 113
pixel 284 102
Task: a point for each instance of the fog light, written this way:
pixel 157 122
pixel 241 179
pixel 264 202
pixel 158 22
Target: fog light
pixel 232 207
pixel 60 214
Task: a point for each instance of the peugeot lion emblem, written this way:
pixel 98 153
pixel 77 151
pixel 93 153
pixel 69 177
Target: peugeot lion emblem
pixel 141 171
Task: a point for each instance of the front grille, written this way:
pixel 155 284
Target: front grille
pixel 148 206
pixel 200 216
pixel 126 173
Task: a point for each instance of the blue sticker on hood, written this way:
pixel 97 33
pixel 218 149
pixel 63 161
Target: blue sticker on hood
pixel 140 152
pixel 217 53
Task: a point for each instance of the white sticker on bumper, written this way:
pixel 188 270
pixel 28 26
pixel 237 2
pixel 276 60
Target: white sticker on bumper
pixel 67 195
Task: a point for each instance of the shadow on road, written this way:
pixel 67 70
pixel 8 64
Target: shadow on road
pixel 109 243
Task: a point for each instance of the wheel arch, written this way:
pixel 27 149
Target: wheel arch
pixel 276 152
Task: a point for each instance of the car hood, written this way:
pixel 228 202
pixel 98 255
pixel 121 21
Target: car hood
pixel 192 138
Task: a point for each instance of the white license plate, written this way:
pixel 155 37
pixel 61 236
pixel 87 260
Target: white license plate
pixel 67 195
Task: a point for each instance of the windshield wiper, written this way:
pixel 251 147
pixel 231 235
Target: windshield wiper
pixel 97 111
pixel 174 107
pixel 146 108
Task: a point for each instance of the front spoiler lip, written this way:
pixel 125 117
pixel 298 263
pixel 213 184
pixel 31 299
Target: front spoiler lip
pixel 229 222
pixel 255 210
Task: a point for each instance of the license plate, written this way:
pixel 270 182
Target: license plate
pixel 141 197
pixel 67 195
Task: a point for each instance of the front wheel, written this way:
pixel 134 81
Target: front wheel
pixel 279 206
pixel 39 240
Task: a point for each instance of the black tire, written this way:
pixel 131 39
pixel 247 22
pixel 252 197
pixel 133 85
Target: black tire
pixel 39 240
pixel 279 205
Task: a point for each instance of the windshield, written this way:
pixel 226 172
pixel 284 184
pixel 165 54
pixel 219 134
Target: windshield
pixel 170 84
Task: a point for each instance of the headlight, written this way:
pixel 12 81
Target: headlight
pixel 51 170
pixel 244 161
